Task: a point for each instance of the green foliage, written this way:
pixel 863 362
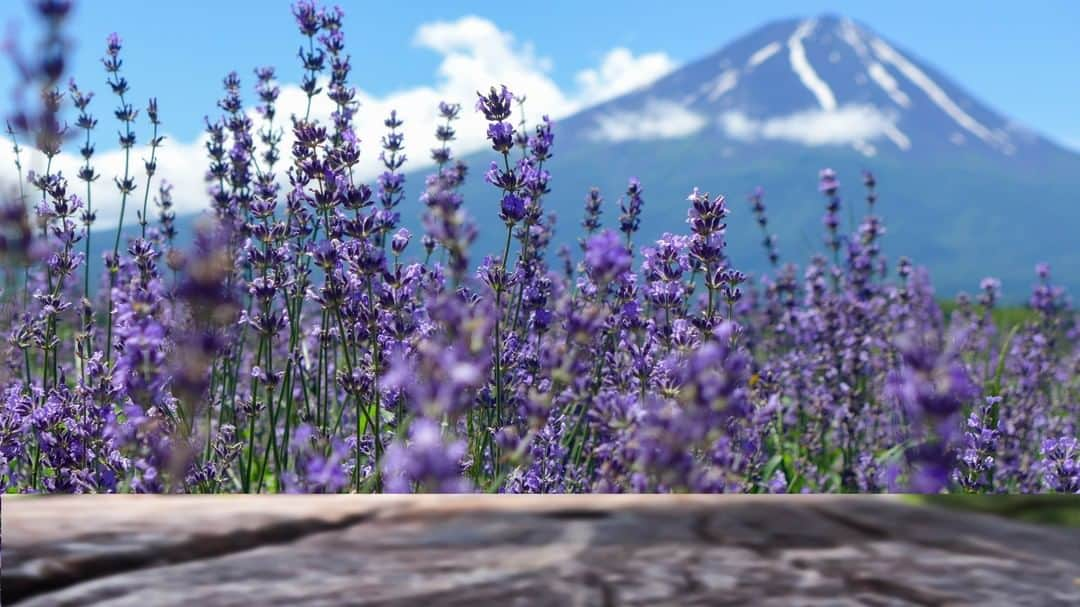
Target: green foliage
pixel 1041 509
pixel 1004 318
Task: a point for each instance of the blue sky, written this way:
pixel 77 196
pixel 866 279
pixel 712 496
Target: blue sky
pixel 1019 58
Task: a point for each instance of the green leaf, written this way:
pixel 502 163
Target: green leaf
pixel 771 466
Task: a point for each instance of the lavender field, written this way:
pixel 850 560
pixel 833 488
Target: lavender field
pixel 300 337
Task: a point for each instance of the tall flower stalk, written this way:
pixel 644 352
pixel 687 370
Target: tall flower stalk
pixel 126 114
pixel 151 164
pixel 495 106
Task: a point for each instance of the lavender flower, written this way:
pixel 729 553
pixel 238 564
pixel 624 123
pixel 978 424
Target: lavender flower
pixel 1060 464
pixel 606 258
pixel 425 462
pixel 298 346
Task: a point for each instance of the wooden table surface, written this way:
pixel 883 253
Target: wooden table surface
pixel 149 551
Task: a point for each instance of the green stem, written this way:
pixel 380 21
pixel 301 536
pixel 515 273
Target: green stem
pixel 373 332
pixel 89 210
pixel 250 459
pixel 116 243
pixel 149 176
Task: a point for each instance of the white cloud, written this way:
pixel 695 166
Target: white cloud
pixel 866 149
pixel 182 164
pixel 846 125
pixel 1073 143
pixel 620 72
pixel 738 125
pixel 658 119
pixel 475 55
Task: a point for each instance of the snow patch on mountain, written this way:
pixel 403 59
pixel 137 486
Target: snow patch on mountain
pixel 888 84
pixel 723 84
pixel 849 33
pixel 657 119
pixel 886 53
pixel 763 54
pixel 802 68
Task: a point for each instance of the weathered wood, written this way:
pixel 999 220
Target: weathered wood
pixel 551 550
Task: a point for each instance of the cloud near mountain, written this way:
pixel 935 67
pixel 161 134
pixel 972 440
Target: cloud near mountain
pixel 850 124
pixel 658 119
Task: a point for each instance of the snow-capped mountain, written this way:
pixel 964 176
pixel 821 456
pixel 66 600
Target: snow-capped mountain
pixel 819 82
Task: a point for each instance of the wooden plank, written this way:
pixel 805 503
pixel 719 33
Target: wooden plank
pixel 549 550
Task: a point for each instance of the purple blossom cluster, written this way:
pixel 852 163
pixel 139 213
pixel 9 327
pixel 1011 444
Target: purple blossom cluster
pixel 308 342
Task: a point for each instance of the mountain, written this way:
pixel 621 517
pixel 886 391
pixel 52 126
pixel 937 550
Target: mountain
pixel 963 190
